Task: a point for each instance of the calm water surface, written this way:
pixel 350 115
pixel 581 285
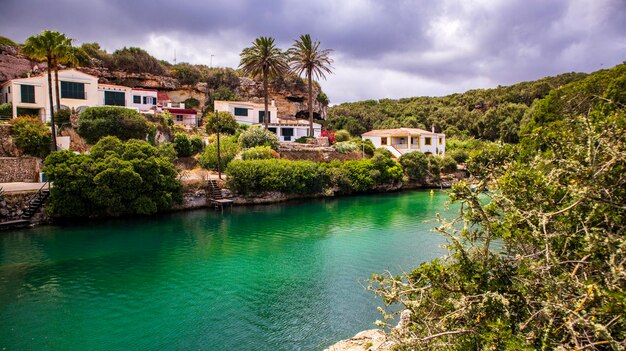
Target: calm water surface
pixel 279 277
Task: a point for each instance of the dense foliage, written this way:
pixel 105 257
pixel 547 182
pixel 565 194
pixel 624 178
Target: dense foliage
pixel 490 114
pixel 187 146
pixel 31 136
pixel 342 135
pixel 256 176
pixel 228 123
pixel 136 60
pixel 6 110
pixel 259 153
pixel 256 136
pixel 228 150
pixel 116 178
pixel 124 123
pixel 555 278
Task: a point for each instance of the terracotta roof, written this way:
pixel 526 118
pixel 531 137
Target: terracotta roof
pixel 181 111
pixel 162 96
pixel 397 132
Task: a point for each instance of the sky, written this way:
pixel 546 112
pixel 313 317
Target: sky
pixel 381 49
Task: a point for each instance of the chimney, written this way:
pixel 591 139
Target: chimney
pixel 433 128
pixel 273 103
pixel 182 105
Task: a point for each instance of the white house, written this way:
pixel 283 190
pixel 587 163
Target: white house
pixel 286 128
pixel 113 95
pixel 182 115
pixel 143 99
pixel 78 90
pixel 403 140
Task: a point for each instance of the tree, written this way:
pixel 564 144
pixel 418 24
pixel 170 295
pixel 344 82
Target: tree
pixel 263 59
pixel 31 136
pixel 257 136
pixel 306 57
pixel 48 45
pixel 228 123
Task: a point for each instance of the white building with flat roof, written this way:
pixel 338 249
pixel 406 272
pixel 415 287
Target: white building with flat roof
pixel 286 128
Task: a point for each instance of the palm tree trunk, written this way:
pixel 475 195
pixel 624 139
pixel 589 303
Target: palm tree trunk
pixel 266 115
pixel 56 85
pixel 54 134
pixel 310 103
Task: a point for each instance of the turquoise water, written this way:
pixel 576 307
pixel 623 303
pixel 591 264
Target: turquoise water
pixel 277 277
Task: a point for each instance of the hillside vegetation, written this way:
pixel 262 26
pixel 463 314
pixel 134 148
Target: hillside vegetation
pixel 555 277
pixel 490 114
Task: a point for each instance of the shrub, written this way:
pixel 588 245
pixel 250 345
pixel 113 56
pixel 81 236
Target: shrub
pixel 228 123
pixel 448 164
pixel 459 155
pixel 197 144
pixel 228 150
pixel 6 110
pixel 434 166
pixel 124 123
pixel 329 134
pixel 257 136
pixel 136 60
pixel 386 170
pixel 116 178
pixel 31 136
pixel 342 135
pixel 255 176
pixel 191 103
pixel 186 74
pixel 345 146
pixel 182 145
pixel 304 139
pixel 415 165
pixel 62 117
pixel 259 153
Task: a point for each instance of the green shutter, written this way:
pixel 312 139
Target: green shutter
pixel 114 98
pixel 241 112
pixel 72 90
pixel 136 99
pixel 28 93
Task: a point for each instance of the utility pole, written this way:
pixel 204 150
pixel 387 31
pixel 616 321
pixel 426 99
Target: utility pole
pixel 217 130
pixel 211 62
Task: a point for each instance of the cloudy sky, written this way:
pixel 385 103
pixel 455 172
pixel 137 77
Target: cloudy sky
pixel 382 49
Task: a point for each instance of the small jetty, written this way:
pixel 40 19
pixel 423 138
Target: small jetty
pixel 216 197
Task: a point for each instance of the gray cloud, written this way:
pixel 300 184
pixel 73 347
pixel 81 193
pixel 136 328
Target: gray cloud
pixel 381 48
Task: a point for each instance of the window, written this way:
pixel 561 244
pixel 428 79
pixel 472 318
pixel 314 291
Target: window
pixel 154 101
pixel 114 98
pixel 136 99
pixel 262 113
pixel 287 133
pixel 428 141
pixel 273 130
pixel 383 140
pixel 241 111
pixel 179 118
pixel 145 100
pixel 28 93
pixel 440 140
pixel 71 90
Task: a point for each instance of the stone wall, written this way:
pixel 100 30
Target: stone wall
pixel 12 207
pixel 19 169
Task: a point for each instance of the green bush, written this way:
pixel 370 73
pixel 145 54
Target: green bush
pixel 191 103
pixel 136 60
pixel 259 153
pixel 187 146
pixel 228 150
pixel 62 117
pixel 434 166
pixel 116 178
pixel 459 155
pixel 342 135
pixel 448 164
pixel 6 110
pixel 257 136
pixel 345 147
pixel 256 176
pixel 31 136
pixel 228 123
pixel 415 165
pixel 124 123
pixel 386 170
pixel 304 139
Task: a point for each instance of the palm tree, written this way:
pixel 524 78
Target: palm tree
pixel 48 45
pixel 264 59
pixel 306 57
pixel 64 54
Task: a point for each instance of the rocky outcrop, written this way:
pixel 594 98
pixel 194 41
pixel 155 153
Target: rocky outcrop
pixel 368 340
pixel 13 64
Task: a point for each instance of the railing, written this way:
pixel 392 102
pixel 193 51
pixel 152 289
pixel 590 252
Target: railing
pixel 394 151
pixel 38 194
